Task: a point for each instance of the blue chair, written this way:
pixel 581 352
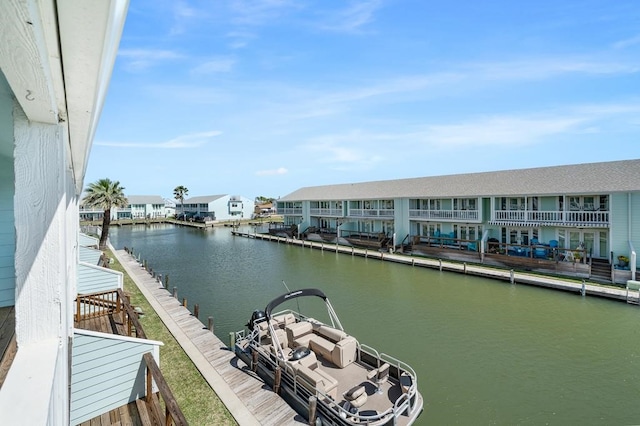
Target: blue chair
pixel 540 253
pixel 553 243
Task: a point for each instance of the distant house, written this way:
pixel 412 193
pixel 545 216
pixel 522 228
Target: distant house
pixel 139 207
pixel 143 207
pixel 264 209
pixel 169 207
pixel 216 208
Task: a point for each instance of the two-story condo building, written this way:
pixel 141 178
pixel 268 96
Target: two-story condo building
pixel 139 207
pixel 143 207
pixel 590 211
pixel 216 207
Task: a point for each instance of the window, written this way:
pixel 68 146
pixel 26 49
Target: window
pixel 604 202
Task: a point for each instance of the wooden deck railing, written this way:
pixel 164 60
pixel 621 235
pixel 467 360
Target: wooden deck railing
pixel 97 304
pixel 173 414
pixel 109 302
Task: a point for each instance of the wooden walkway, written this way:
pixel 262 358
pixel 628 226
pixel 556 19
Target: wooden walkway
pixel 247 397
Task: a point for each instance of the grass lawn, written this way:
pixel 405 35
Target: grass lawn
pixel 196 399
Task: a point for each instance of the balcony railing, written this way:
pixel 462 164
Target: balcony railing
pixel 326 212
pixel 465 215
pixel 552 217
pixel 293 211
pixel 371 212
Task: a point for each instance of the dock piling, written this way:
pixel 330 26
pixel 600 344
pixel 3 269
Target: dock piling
pixel 175 292
pixel 512 277
pixel 196 310
pixel 210 326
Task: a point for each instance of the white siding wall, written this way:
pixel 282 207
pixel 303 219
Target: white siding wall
pixel 107 366
pixel 93 278
pixel 45 255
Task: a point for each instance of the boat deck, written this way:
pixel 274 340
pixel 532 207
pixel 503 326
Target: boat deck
pixel 355 374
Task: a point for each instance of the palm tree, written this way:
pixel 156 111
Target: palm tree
pixel 105 194
pixel 179 192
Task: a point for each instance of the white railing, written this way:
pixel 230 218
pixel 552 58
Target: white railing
pixel 552 216
pixel 468 215
pixel 290 211
pixel 371 212
pixel 326 212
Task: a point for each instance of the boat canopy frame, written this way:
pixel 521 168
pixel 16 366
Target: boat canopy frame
pixel 306 292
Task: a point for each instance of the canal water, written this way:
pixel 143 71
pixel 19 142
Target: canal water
pixel 485 351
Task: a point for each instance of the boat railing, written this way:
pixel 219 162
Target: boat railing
pixel 368 349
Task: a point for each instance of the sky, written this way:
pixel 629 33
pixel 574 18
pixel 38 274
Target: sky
pixel 263 97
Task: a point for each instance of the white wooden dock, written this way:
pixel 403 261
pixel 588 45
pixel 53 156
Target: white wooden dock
pixel 246 397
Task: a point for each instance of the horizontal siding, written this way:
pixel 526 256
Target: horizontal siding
pixel 93 279
pixel 106 372
pixel 87 241
pixel 89 255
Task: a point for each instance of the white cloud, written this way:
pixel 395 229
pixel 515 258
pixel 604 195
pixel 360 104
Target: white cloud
pixel 239 39
pixel 272 172
pixel 140 59
pixel 351 19
pixel 259 12
pixel 192 140
pixel 499 131
pixel 623 44
pixel 216 65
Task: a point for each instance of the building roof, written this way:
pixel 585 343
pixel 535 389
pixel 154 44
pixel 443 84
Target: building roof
pixel 588 178
pixel 145 199
pixel 203 199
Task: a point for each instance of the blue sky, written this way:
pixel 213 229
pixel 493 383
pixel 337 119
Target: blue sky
pixel 260 98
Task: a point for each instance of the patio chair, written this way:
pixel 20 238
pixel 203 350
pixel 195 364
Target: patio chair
pixel 540 253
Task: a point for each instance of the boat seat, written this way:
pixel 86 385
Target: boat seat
pixel 356 397
pixel 379 376
pixel 314 378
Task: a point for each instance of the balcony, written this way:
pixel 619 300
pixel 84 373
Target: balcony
pixel 445 215
pixel 374 213
pixel 115 375
pixel 327 212
pixel 290 211
pixel 551 218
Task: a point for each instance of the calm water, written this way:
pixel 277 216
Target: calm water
pixel 486 352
